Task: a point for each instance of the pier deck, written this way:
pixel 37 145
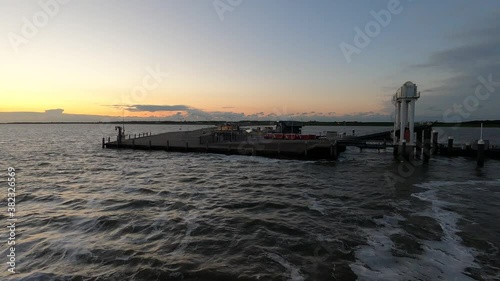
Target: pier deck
pixel 206 141
pixel 200 141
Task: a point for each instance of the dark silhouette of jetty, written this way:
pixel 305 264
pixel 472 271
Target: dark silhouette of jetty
pixel 238 142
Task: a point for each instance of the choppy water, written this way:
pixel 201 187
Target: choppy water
pixel 91 214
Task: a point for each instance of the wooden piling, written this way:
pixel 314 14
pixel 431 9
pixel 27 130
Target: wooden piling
pixel 103 142
pixel 427 145
pixel 480 153
pixel 149 144
pixel 109 139
pixel 336 150
pixel 435 145
pixel 450 146
pixel 468 148
pixel 418 153
pixel 404 151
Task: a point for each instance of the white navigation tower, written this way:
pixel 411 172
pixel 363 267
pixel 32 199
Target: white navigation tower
pixel 404 101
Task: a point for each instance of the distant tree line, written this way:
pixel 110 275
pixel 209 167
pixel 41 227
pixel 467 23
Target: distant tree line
pixel 476 123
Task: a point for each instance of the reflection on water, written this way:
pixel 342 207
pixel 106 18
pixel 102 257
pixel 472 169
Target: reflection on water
pixel 92 214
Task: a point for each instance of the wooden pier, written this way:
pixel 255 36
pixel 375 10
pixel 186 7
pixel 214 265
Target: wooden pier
pixel 209 141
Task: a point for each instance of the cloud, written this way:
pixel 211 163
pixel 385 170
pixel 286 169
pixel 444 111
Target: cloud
pixel 54 111
pixel 156 108
pixel 476 54
pixel 191 114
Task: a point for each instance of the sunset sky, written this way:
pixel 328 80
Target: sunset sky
pixel 247 59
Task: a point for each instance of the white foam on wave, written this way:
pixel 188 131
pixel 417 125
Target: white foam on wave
pixel 439 184
pixel 446 259
pixel 191 225
pixel 313 204
pixel 448 255
pixel 292 270
pixel 375 260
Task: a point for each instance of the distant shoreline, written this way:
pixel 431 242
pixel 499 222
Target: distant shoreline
pixel 486 123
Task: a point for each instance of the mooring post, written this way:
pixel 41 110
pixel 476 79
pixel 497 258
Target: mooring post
pixel 109 139
pixel 133 143
pixel 450 146
pixel 427 145
pixel 336 150
pixel 404 150
pixel 468 149
pixel 480 153
pixel 103 142
pixel 419 144
pixel 435 143
pixel 149 144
